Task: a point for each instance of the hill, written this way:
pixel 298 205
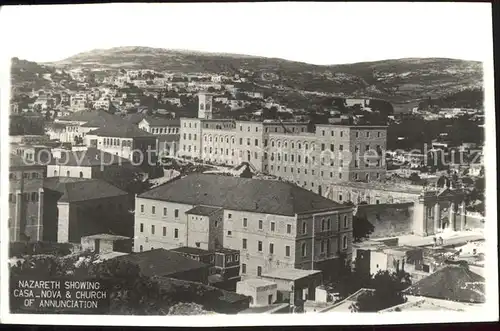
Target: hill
pixel 399 81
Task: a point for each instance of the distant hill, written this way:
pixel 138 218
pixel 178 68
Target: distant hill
pixel 399 81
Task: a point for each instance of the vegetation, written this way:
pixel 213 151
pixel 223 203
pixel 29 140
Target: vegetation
pixel 26 125
pixel 387 292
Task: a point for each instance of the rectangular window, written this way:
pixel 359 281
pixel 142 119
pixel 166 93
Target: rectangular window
pixel 345 221
pixel 153 210
pixel 273 226
pixel 176 213
pixel 287 250
pixel 244 244
pixel 229 216
pixel 164 231
pixel 261 224
pixel 152 229
pixel 288 228
pixel 271 248
pixel 164 211
pixel 243 268
pixel 142 208
pixel 245 223
pixel 176 233
pixel 256 142
pixel 142 227
pixel 259 246
pixel 259 271
pixel 229 233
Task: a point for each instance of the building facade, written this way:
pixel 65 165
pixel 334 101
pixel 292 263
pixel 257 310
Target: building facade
pixel 26 196
pixel 273 224
pixel 334 153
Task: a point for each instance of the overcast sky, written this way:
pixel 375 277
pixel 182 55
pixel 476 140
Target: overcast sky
pixel 319 33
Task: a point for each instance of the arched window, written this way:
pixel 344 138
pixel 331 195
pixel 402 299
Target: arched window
pixel 140 248
pixel 304 227
pixel 323 225
pixel 344 242
pixel 34 196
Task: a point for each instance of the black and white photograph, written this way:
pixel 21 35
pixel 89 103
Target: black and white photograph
pixel 281 159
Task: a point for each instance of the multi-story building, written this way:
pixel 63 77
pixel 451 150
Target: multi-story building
pixel 79 101
pixel 225 263
pixel 86 163
pixel 125 140
pixel 25 199
pixel 272 223
pixel 334 153
pixel 79 207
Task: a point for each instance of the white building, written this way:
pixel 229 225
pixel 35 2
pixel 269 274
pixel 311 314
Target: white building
pixel 262 292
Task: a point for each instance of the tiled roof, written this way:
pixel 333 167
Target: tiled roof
pixel 90 157
pixel 453 282
pixel 202 210
pixel 190 250
pixel 88 115
pixel 81 189
pixel 134 118
pixel 160 121
pixel 161 262
pixel 254 195
pixel 122 130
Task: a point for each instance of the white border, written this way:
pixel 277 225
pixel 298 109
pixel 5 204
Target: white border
pixel 489 313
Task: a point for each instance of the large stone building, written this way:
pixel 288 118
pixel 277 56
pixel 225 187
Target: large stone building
pixel 334 153
pixel 79 207
pixel 25 199
pixel 399 209
pixel 272 223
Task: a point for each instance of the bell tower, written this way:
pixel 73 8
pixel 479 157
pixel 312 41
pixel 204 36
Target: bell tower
pixel 205 105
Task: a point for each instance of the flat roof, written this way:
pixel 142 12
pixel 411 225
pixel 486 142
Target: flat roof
pixel 191 250
pixel 257 282
pixel 384 186
pixel 106 236
pixel 290 274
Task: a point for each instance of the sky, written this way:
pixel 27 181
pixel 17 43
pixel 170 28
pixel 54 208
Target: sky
pixel 318 33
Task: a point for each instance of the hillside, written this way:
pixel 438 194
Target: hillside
pixel 399 81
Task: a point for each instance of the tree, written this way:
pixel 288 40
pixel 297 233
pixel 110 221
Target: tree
pixel 387 287
pixel 414 178
pixel 361 228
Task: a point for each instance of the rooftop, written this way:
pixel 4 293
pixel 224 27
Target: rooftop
pixel 191 250
pixel 161 262
pixel 121 130
pixel 106 236
pixel 161 121
pixel 277 307
pixel 88 158
pixel 253 195
pixel 428 304
pixel 257 282
pixel 453 282
pixel 202 210
pixel 384 186
pixel 290 274
pixel 95 116
pixel 81 189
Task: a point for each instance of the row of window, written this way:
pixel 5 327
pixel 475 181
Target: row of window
pixel 28 197
pixel 68 174
pixel 26 175
pixel 116 142
pixel 259 247
pixel 164 230
pixel 189 136
pixel 165 211
pixel 325 247
pixel 165 130
pixel 272 225
pixel 195 124
pixel 367 133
